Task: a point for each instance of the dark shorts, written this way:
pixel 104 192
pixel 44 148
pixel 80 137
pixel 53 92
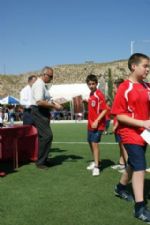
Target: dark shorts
pixel 136 156
pixel 94 136
pixel 117 138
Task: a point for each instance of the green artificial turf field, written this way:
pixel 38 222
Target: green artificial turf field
pixel 67 194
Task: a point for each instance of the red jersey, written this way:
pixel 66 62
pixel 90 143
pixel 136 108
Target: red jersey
pixel 96 104
pixel 132 99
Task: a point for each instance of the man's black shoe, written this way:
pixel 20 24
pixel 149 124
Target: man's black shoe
pixel 48 163
pixel 43 167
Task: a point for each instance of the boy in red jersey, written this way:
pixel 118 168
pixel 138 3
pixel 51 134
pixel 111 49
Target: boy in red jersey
pixel 97 109
pixel 132 108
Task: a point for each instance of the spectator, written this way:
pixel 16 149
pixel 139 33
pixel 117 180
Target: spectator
pixel 25 100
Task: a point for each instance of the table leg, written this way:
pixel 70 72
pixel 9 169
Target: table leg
pixel 1 147
pixel 15 160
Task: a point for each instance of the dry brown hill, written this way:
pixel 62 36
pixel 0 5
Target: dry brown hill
pixel 72 73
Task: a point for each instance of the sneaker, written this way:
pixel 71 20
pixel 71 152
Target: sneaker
pixel 91 166
pixel 143 214
pixel 121 170
pixel 148 170
pixel 95 171
pixel 123 194
pixel 118 167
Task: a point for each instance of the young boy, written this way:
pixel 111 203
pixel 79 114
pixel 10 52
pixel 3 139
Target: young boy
pixel 132 109
pixel 123 153
pixel 97 109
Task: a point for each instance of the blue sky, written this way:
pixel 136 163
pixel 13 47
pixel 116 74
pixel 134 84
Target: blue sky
pixel 35 33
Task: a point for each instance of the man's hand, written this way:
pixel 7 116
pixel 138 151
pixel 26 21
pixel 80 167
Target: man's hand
pixel 57 106
pixel 95 124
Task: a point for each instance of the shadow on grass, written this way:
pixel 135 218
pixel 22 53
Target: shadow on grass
pixel 106 163
pixel 57 150
pixel 147 190
pixel 7 167
pixel 58 160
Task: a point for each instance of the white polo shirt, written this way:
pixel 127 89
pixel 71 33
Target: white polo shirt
pixel 39 92
pixel 26 96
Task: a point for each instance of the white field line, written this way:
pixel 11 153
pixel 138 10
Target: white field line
pixel 82 143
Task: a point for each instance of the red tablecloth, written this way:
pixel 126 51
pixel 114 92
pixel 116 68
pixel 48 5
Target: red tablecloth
pixel 18 142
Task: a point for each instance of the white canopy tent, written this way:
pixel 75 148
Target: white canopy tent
pixel 68 91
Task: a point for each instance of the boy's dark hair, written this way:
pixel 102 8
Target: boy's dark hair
pixel 136 59
pixel 91 77
pixel 31 77
pixel 118 82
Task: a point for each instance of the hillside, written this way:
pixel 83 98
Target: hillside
pixel 73 73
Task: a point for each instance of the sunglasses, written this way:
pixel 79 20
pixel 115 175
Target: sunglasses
pixel 50 76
